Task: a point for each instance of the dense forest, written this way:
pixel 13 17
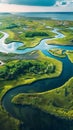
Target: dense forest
pixel 12 70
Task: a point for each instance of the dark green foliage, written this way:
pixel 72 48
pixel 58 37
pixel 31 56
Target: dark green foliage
pixel 12 26
pixel 3 71
pixel 13 69
pixel 33 34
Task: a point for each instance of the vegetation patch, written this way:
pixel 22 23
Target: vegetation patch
pixel 67 40
pixel 1 35
pixel 14 69
pixel 34 34
pixel 57 52
pixel 70 55
pixel 7 122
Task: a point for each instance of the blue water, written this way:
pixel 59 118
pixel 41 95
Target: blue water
pixel 37 86
pixel 56 15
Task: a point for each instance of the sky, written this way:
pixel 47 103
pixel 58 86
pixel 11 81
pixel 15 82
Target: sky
pixel 36 5
pixel 30 2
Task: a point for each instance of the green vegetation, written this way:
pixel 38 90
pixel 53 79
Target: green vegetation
pixel 67 40
pixel 30 31
pixel 57 102
pixel 33 34
pixel 7 122
pixel 70 55
pixel 60 53
pixel 46 66
pixel 57 52
pixel 26 68
pixel 11 26
pixel 18 72
pixel 27 30
pixel 13 69
pixel 1 35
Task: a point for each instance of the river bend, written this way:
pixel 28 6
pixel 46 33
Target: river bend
pixel 40 85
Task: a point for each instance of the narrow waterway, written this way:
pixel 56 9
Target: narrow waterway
pixel 13 46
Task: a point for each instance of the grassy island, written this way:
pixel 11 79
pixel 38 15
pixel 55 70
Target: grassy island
pixel 70 55
pixel 60 53
pixel 57 52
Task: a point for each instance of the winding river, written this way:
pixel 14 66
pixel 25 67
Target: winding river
pixel 40 85
pixel 13 46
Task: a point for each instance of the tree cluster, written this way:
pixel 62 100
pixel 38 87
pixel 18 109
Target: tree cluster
pixel 13 69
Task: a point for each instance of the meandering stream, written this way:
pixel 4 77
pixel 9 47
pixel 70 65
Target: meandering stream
pixel 40 85
pixel 13 46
